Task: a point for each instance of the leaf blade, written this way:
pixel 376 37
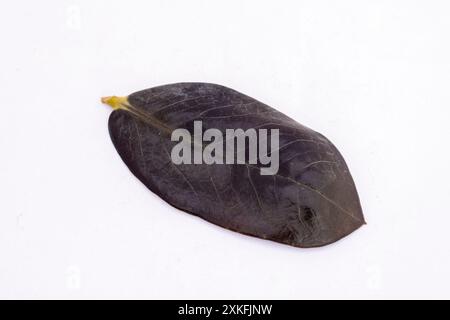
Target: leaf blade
pixel 313 202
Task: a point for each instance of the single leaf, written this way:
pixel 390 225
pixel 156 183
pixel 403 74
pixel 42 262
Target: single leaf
pixel 311 201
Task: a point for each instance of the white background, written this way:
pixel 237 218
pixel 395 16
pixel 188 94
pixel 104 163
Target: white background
pixel 373 76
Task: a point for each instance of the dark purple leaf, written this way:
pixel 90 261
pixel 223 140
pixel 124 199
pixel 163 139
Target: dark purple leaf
pixel 311 201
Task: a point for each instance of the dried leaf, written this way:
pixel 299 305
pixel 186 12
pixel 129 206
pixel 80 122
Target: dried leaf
pixel 311 201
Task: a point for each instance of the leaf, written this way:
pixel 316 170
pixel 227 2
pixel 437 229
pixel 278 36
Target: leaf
pixel 311 201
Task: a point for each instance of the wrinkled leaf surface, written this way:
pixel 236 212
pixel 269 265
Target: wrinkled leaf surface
pixel 312 200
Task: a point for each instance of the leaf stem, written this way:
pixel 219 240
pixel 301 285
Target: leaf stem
pixel 116 102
